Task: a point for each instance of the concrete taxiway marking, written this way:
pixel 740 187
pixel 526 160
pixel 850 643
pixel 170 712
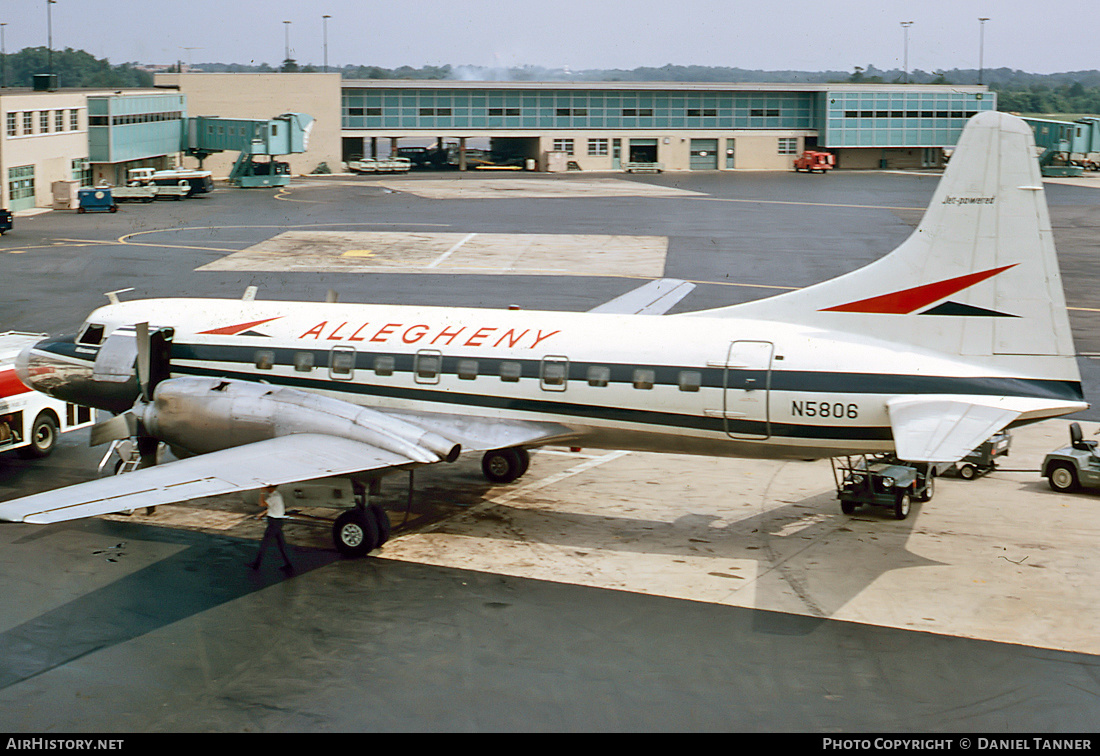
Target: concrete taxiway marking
pixel 437 252
pixel 443 257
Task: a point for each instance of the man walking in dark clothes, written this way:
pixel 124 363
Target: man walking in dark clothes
pixel 272 501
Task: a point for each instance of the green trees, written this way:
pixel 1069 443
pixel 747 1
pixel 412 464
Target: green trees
pixel 74 68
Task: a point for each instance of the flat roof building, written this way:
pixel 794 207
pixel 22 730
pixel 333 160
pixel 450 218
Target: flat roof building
pixel 83 136
pixel 603 126
pixel 683 126
pixel 93 135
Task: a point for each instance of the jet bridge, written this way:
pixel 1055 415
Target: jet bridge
pixel 255 140
pixel 1061 141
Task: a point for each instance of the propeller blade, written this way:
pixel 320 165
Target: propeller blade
pixel 118 428
pixel 142 337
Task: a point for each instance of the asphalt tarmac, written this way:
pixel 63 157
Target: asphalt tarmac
pixel 122 625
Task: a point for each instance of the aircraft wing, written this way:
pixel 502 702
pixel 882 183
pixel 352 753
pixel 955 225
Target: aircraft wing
pixel 481 434
pixel 286 459
pixel 655 298
pixel 946 428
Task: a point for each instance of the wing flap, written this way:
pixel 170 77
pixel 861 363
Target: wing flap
pixel 655 298
pixel 483 434
pixel 286 459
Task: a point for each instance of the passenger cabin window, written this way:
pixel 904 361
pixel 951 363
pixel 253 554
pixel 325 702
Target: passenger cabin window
pixel 599 375
pixel 429 364
pixel 467 370
pixel 384 364
pixel 555 373
pixel 93 334
pixel 265 359
pixel 510 371
pixel 644 378
pixel 303 362
pixel 342 364
pixel 690 380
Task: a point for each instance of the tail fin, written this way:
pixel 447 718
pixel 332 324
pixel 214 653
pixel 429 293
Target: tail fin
pixel 978 278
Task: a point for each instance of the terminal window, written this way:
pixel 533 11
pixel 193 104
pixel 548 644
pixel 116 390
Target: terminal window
pixel 12 126
pixel 563 145
pixel 21 182
pixel 597 147
pixel 788 145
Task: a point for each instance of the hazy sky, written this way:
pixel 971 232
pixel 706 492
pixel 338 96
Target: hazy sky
pixel 1043 37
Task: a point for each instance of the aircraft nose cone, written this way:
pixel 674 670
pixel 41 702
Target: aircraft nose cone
pixel 48 366
pixel 27 365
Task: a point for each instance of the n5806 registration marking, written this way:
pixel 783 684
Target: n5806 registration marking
pixel 825 409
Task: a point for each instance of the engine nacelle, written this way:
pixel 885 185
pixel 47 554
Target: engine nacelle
pixel 200 415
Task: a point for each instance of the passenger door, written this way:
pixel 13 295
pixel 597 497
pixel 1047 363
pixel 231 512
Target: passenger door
pixel 747 383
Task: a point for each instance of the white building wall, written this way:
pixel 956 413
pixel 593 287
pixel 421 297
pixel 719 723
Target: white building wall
pixel 263 96
pixel 49 150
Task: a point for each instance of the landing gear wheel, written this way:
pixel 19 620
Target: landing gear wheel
pixel 382 520
pixel 901 505
pixel 43 438
pixel 355 533
pixel 505 465
pixel 968 472
pixel 929 486
pixel 1063 478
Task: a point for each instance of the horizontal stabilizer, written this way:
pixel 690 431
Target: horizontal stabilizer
pixel 945 428
pixel 287 459
pixel 655 298
pixel 938 429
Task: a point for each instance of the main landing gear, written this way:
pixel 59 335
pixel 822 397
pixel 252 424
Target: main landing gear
pixel 363 528
pixel 505 465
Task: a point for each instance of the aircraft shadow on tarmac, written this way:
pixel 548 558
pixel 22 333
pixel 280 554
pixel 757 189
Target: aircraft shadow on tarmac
pixel 206 571
pixel 856 550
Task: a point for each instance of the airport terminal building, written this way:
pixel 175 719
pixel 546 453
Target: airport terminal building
pixel 604 126
pixel 87 135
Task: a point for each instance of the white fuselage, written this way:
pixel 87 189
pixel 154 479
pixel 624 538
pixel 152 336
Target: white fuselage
pixel 717 386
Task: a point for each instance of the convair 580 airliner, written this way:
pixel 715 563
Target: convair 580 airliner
pixel 958 333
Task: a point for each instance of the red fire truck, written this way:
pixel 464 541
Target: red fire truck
pixel 31 421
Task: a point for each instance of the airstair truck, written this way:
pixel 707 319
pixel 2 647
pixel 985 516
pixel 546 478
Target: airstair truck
pixel 30 422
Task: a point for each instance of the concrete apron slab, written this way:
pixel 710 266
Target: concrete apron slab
pixel 407 252
pixel 529 188
pixel 1000 558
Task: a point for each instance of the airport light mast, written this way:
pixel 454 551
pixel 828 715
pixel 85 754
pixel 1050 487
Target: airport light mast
pixel 905 25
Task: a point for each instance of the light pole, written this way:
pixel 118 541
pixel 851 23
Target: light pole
pixel 324 32
pixel 905 25
pixel 286 26
pixel 3 59
pixel 49 35
pixel 981 48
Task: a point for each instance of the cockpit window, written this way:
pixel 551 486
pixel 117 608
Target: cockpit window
pixel 92 334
